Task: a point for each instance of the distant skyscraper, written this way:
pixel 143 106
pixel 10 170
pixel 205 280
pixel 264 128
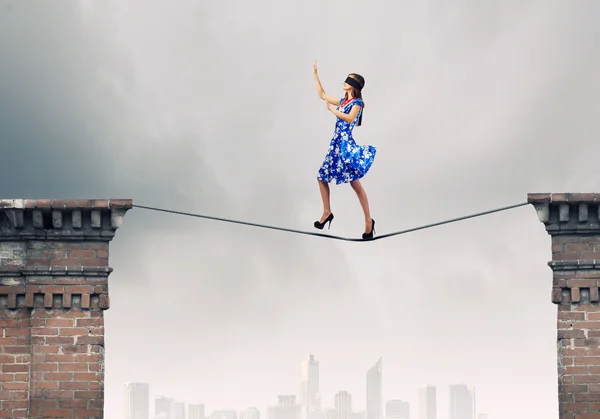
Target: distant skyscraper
pixel 196 411
pixel 224 414
pixel 177 410
pixel 309 386
pixel 462 402
pixel 162 415
pixel 343 405
pixel 374 391
pixel 397 409
pixel 250 413
pixel 162 405
pixel 137 401
pixel 286 408
pixel 427 402
pixel 361 414
pixel 482 416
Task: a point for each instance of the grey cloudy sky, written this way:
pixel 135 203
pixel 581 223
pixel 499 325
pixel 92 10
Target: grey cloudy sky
pixel 211 107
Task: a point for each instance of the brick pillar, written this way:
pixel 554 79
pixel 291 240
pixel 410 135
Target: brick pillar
pixel 53 291
pixel 572 220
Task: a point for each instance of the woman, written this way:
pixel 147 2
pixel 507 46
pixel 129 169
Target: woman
pixel 345 162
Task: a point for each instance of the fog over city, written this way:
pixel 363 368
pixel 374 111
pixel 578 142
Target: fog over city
pixel 210 107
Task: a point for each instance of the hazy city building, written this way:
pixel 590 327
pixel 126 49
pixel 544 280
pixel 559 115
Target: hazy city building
pixel 137 401
pixel 397 409
pixel 427 402
pixel 462 401
pixel 310 399
pixel 343 405
pixel 224 414
pixel 374 391
pixel 161 416
pixel 162 405
pixel 330 413
pixel 482 416
pixel 196 411
pixel 361 414
pixel 250 413
pixel 177 410
pixel 286 408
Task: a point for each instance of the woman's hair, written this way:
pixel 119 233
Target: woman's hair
pixel 357 92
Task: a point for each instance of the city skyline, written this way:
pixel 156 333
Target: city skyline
pixel 308 402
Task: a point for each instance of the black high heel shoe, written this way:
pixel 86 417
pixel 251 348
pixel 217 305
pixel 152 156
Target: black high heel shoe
pixel 320 225
pixel 369 236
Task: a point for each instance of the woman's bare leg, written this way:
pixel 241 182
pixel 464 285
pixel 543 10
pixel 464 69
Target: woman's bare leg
pixel 324 189
pixel 364 203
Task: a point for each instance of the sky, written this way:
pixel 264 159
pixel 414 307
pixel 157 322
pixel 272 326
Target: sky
pixel 210 107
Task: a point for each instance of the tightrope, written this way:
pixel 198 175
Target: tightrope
pixel 327 236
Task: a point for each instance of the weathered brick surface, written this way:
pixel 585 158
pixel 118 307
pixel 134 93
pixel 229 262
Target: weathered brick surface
pixel 573 222
pixel 53 290
pixel 15 341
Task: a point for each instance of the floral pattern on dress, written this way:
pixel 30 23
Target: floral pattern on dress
pixel 345 160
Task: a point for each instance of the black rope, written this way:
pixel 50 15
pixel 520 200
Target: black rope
pixel 383 236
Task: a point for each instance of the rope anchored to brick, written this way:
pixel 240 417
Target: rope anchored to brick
pixel 289 230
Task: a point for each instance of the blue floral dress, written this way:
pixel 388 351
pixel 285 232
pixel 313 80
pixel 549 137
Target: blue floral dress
pixel 345 160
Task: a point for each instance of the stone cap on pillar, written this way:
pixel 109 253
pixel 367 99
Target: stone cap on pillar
pixel 567 213
pixel 61 219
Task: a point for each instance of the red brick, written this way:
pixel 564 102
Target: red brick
pixel 60 322
pixel 86 376
pixel 75 385
pixel 575 407
pixel 44 331
pixel 58 203
pixel 58 413
pixel 79 289
pixel 59 394
pixel 14 387
pixel 90 322
pixel 565 256
pixel 579 247
pixel 85 300
pixel 587 360
pixel 48 385
pixel 73 331
pixel 15 349
pixel 84 203
pixel 90 340
pixel 16 332
pixel 73 404
pixel 18 404
pixel 574 370
pixel 65 262
pixel 94 262
pixel 586 379
pixel 58 376
pixel 87 394
pixel 8 341
pixel 45 367
pixel 87 413
pixel 75 366
pixel 87 254
pixel 587 325
pixel 15 368
pixel 60 340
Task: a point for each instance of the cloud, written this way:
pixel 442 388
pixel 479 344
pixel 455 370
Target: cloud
pixel 210 108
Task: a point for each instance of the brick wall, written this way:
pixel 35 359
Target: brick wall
pixel 53 290
pixel 572 220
